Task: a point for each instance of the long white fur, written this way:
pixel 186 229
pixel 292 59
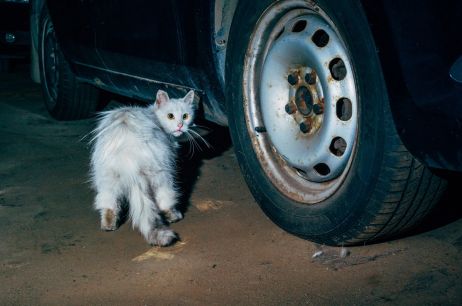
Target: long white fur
pixel 134 156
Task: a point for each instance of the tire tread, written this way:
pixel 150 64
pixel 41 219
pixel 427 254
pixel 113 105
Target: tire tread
pixel 404 190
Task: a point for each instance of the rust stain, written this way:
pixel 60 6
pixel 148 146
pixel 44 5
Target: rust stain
pixel 330 79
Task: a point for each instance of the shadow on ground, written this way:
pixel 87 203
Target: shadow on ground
pixel 215 142
pixel 447 210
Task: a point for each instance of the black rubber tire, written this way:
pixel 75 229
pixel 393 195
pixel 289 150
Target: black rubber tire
pixel 386 191
pixel 74 100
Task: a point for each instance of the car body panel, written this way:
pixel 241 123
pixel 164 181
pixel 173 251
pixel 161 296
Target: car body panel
pixel 116 46
pixel 416 43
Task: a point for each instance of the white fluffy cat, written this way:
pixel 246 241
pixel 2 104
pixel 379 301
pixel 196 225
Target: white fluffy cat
pixel 133 158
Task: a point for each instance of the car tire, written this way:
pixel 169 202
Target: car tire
pixel 336 173
pixel 65 97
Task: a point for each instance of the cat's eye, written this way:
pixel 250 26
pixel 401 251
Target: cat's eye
pixel 185 116
pixel 170 116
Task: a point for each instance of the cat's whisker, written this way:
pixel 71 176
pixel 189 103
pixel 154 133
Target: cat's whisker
pixel 194 142
pixel 189 143
pixel 191 146
pixel 197 145
pixel 201 138
pixel 202 126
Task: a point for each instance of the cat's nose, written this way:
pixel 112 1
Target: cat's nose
pixel 180 125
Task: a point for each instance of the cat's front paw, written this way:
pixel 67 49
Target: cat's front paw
pixel 173 215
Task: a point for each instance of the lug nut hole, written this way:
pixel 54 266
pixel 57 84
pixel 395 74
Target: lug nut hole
pixel 337 69
pixel 299 26
pixel 344 109
pixel 322 169
pixel 338 146
pixel 320 38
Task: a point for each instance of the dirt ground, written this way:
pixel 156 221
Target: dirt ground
pixel 53 253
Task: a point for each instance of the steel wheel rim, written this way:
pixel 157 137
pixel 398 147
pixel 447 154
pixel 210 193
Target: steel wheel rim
pixel 290 40
pixel 50 62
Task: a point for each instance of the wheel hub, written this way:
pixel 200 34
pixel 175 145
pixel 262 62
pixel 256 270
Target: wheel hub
pixel 305 73
pixel 306 105
pixel 300 101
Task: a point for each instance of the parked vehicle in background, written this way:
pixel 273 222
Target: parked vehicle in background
pixel 340 111
pixel 14 32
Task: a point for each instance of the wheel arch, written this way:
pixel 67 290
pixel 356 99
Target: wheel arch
pixel 430 136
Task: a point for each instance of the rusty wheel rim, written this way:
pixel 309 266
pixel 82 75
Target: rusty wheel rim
pixel 300 101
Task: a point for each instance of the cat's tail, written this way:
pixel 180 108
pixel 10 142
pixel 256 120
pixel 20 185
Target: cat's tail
pixel 146 217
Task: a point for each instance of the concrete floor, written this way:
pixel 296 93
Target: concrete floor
pixel 53 253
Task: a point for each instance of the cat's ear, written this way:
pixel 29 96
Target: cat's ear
pixel 189 98
pixel 161 97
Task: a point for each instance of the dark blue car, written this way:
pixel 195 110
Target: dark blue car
pixel 342 112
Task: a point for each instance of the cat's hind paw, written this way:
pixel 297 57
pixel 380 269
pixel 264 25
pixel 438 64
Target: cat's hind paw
pixel 173 215
pixel 108 220
pixel 162 237
pixel 108 228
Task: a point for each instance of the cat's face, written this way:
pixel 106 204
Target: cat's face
pixel 175 115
